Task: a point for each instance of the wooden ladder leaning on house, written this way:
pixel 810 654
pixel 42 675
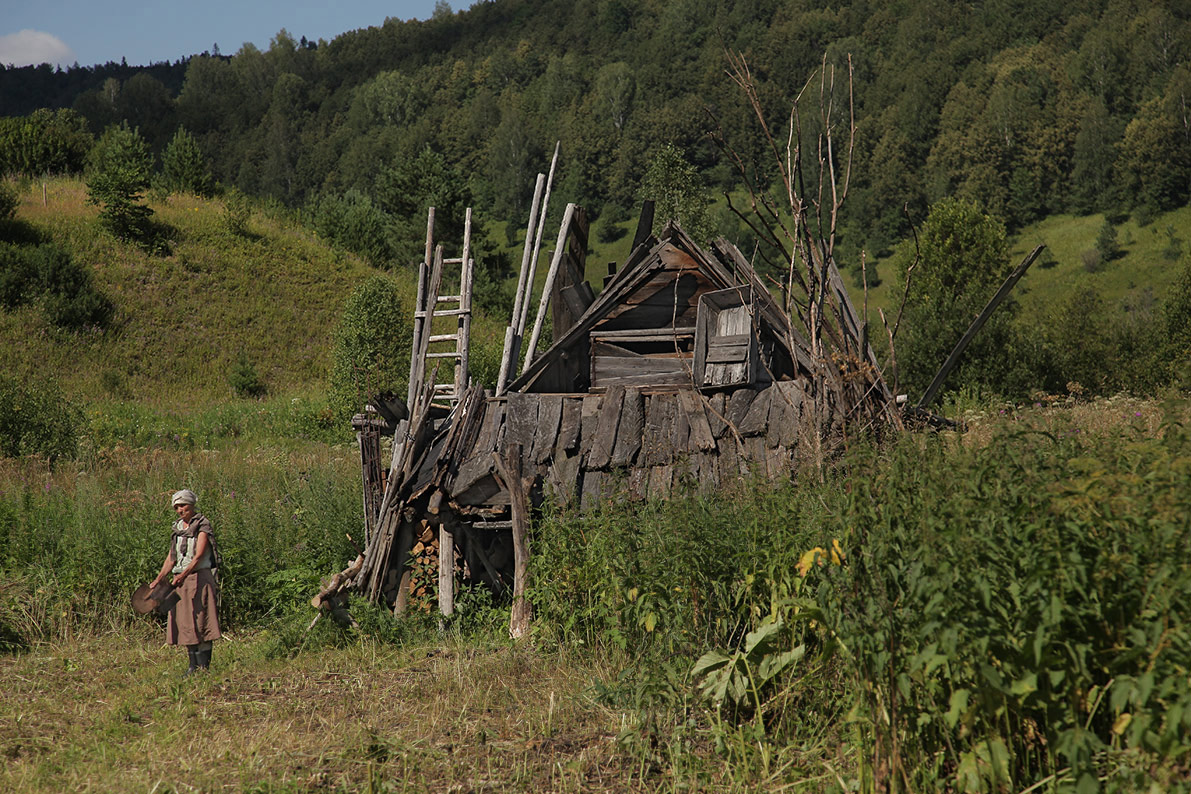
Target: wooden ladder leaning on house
pixel 428 345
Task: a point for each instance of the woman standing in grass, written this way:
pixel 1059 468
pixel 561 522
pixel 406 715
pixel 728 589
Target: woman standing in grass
pixel 193 620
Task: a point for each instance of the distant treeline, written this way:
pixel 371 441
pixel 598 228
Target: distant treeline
pixel 1028 108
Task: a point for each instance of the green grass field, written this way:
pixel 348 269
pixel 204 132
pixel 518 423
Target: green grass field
pixel 1061 569
pixel 1002 610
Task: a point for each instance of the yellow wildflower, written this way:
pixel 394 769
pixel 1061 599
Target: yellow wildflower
pixel 808 559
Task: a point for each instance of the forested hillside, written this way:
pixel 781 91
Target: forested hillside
pixel 1024 110
pixel 1027 107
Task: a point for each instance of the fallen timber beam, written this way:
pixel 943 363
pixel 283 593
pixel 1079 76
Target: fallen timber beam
pixel 932 391
pixel 338 582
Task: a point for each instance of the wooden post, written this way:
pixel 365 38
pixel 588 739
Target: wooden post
pixel 537 247
pixel 426 328
pixel 551 275
pixel 510 472
pixel 512 348
pixel 420 305
pixel 446 572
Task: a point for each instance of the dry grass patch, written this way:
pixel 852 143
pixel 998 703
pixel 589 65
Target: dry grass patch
pixel 1070 416
pixel 113 714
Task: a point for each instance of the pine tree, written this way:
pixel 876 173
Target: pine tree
pixel 183 167
pixel 117 176
pixel 1106 242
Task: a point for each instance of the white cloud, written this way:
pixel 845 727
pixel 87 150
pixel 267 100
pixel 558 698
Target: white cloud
pixel 32 47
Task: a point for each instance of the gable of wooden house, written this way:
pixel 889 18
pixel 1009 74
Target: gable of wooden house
pixel 684 371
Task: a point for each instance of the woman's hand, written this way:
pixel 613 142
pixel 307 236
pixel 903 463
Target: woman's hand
pixel 177 582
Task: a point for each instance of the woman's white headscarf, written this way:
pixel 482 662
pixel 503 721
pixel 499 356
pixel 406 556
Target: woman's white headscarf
pixel 184 497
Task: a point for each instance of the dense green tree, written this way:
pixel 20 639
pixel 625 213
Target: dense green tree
pixel 183 167
pixel 963 259
pixel 145 105
pixel 1082 343
pixel 1172 351
pixel 1154 166
pixel 1019 112
pixel 282 146
pixel 1107 244
pixel 1092 160
pixel 512 160
pixel 44 142
pixel 678 193
pixel 353 222
pixel 117 175
pixel 371 348
pixel 407 188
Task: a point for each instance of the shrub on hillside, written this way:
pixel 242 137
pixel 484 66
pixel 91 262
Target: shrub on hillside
pixel 354 223
pixel 18 276
pixel 36 419
pixel 1107 244
pixel 9 201
pixel 71 298
pixel 1173 349
pixel 371 352
pixel 245 380
pixel 68 294
pixel 236 213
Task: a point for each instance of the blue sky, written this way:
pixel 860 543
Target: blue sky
pixel 90 32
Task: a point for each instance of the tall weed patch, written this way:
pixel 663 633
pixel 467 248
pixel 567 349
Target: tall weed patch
pixel 672 577
pixel 935 615
pixel 75 544
pixel 1020 612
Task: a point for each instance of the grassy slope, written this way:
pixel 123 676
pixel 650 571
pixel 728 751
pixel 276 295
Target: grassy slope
pixel 183 320
pixel 1142 270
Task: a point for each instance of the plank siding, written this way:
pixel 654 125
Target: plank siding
pixel 605 440
pixel 546 432
pixel 570 424
pixel 629 433
pixel 658 418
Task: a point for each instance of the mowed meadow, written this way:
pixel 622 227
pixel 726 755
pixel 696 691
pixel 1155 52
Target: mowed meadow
pixel 999 610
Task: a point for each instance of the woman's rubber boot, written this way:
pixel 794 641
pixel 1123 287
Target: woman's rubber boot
pixel 204 659
pixel 194 662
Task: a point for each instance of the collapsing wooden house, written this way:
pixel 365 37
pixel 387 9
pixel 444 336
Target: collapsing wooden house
pixel 684 372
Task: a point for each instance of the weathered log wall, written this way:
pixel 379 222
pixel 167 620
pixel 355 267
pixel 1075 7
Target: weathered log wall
pixel 646 442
